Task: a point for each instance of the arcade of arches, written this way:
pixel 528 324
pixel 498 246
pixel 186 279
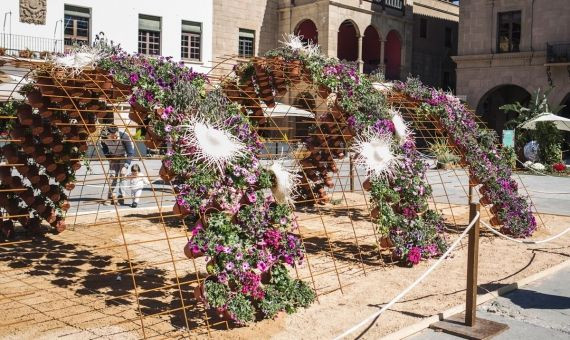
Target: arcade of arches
pixel 369 48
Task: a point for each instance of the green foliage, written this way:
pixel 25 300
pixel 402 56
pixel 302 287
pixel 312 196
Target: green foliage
pixel 9 109
pixel 285 293
pixel 549 140
pixel 241 309
pixel 443 152
pixel 509 156
pixel 538 105
pixel 216 293
pixel 265 180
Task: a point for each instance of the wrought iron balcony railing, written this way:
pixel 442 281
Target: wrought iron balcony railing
pixel 13 43
pixel 558 53
pixel 396 4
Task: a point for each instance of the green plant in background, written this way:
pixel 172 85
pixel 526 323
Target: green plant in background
pixel 443 153
pixel 549 140
pixel 538 105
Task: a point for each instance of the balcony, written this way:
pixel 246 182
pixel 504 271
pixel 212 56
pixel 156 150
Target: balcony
pixel 558 53
pixel 395 4
pixel 13 43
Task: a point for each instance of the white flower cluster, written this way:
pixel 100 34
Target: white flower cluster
pixel 81 58
pixel 296 43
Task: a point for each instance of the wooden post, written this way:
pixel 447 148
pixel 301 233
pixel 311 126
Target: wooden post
pixel 467 325
pixel 472 265
pixel 470 196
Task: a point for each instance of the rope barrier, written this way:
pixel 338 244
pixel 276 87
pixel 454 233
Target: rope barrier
pixel 413 285
pixel 498 233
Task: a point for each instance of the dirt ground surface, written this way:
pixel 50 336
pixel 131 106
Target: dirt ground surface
pixel 127 277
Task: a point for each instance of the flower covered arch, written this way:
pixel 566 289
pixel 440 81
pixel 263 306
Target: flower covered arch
pixel 240 208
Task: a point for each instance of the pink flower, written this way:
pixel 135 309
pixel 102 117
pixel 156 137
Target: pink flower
pixel 415 255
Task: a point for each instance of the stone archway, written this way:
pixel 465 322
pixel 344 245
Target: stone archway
pixel 489 105
pixel 371 50
pixel 308 32
pixel 565 112
pixel 393 55
pixel 347 46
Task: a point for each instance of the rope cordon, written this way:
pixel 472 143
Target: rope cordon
pixel 418 280
pixel 498 233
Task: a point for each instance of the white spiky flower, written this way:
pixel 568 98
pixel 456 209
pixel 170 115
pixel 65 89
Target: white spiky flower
pixel 401 128
pixel 84 57
pixel 213 145
pixel 284 188
pixel 295 42
pixel 375 153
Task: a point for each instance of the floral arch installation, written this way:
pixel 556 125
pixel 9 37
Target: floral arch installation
pixel 144 266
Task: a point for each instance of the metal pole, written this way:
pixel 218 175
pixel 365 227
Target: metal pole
pixel 351 170
pixel 472 265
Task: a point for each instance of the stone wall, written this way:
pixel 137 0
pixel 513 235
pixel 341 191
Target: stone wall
pixel 480 69
pixel 431 58
pixel 260 16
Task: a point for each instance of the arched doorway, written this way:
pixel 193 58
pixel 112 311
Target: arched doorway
pixel 371 49
pixel 565 111
pixel 488 107
pixel 393 55
pixel 307 30
pixel 347 41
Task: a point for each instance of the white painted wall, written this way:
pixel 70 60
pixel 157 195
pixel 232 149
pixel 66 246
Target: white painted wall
pixel 119 20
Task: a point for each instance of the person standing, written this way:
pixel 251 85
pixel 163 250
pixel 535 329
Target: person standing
pixel 119 150
pixel 137 181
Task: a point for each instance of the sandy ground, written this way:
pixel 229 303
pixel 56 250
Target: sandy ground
pixel 80 284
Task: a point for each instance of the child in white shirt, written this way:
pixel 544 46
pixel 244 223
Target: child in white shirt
pixel 137 180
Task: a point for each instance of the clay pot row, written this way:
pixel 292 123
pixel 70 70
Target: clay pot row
pixel 265 88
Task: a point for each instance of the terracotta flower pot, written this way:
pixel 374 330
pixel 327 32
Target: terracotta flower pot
pixel 28 196
pixel 190 253
pixel 54 193
pixel 40 207
pixel 17 134
pixel 323 92
pixel 36 99
pixel 180 210
pixel 25 115
pixel 473 181
pixel 495 221
pixel 136 117
pixel 65 205
pixel 199 294
pixel 386 242
pixel 484 200
pixel 59 225
pixel 166 174
pixel 375 213
pixel 70 186
pixel 495 209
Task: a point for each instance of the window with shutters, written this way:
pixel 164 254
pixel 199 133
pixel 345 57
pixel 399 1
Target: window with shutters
pixel 191 43
pixel 246 44
pixel 509 31
pixel 149 34
pixel 77 22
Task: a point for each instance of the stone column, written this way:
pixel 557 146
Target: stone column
pixel 359 59
pixel 382 51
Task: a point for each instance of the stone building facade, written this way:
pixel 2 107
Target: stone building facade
pixel 435 42
pixel 509 49
pixel 376 34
